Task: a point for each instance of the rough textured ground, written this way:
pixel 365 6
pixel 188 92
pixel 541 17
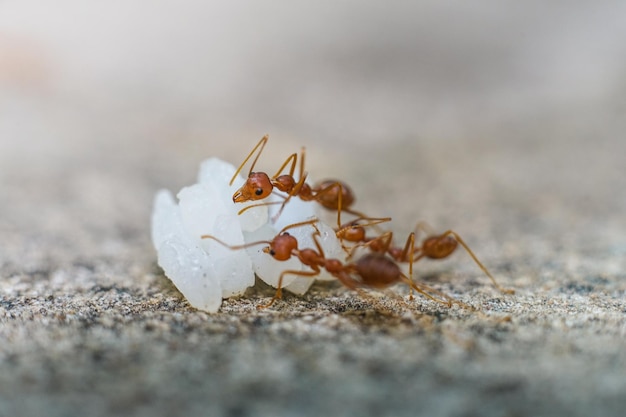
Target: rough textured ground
pixel 533 180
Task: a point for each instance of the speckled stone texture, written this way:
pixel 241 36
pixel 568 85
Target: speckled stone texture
pixel 532 179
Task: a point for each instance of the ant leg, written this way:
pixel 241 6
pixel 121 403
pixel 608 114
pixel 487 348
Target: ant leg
pixel 293 158
pixel 330 188
pixel 348 281
pixel 493 280
pixel 450 300
pixel 344 232
pixel 235 247
pixel 409 248
pixel 269 203
pixel 296 189
pixel 302 153
pixel 279 288
pixel 300 224
pixel 386 238
pixel 426 291
pixel 351 284
pixel 370 221
pixel 339 202
pixel 261 144
pixel 316 235
pixel 358 214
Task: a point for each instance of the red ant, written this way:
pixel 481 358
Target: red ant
pixel 434 246
pixel 331 194
pixel 373 270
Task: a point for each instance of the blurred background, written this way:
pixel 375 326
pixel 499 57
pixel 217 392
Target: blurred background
pixel 503 120
pixel 441 99
pixel 340 71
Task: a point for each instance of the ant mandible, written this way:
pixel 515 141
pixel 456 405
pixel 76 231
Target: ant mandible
pixel 434 246
pixel 331 194
pixel 373 270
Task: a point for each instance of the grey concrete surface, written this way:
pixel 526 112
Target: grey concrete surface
pixel 503 123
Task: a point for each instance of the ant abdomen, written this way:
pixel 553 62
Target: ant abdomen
pixel 377 271
pixel 436 247
pixel 330 198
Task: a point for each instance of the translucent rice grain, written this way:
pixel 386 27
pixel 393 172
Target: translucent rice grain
pixel 184 262
pixel 166 220
pixel 191 270
pixel 295 211
pixel 204 211
pixel 300 285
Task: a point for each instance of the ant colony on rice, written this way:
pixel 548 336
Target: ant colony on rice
pixel 225 229
pixel 205 271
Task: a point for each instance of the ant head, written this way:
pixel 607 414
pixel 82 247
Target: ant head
pixel 257 186
pixel 282 246
pixel 352 233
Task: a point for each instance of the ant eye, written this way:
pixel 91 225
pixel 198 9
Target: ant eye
pixel 258 191
pixel 286 234
pixel 272 252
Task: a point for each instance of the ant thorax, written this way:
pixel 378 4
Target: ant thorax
pixel 284 183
